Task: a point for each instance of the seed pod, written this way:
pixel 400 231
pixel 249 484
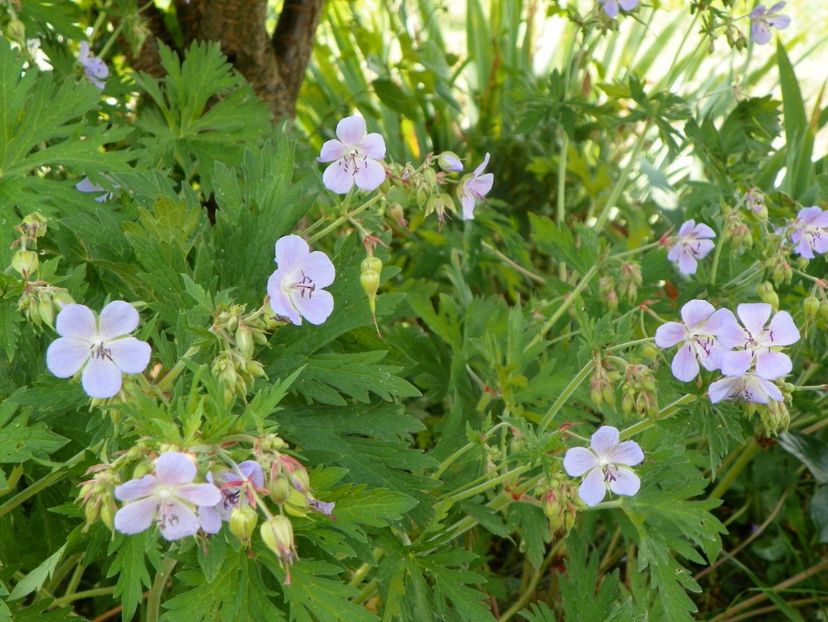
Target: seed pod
pixel 810 307
pixel 277 534
pixel 244 341
pixel 243 521
pixel 25 262
pixel 279 488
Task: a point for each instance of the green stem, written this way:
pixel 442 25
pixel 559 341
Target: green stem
pixel 618 188
pixel 570 300
pixel 748 453
pixel 527 594
pixel 157 589
pixel 812 387
pixel 111 40
pixel 636 251
pixel 561 207
pixel 573 385
pixel 69 598
pixel 513 264
pixel 715 269
pixel 665 412
pixel 475 490
pixel 41 484
pixel 344 218
pixel 628 344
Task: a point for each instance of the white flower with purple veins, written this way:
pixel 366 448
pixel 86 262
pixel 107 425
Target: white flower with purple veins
pixel 755 341
pixel 810 232
pixel 474 188
pixel 101 347
pixel 697 338
pixel 762 20
pixel 296 287
pixel 94 68
pixel 88 186
pixel 236 489
pixel 168 497
pixel 611 6
pixel 693 243
pixel 606 465
pixel 356 157
pixel 748 387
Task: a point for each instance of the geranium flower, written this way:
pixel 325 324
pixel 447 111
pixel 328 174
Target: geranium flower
pixel 748 387
pixel 356 157
pixel 168 497
pixel 755 342
pixel 611 6
pixel 102 348
pixel 809 232
pixel 88 186
pixel 697 336
pixel 235 490
pixel 762 20
pixel 755 201
pixel 295 288
pixel 474 188
pixel 605 463
pixel 693 243
pixel 94 68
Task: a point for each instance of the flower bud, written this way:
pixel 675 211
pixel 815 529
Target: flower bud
pixel 34 225
pixel 449 162
pixel 371 264
pixel 61 298
pixel 279 488
pixel 244 341
pixel 92 511
pixel 243 521
pixel 25 262
pixel 398 214
pixel 108 510
pixel 768 295
pixel 810 306
pixel 823 309
pixel 16 31
pixel 277 534
pixel 627 403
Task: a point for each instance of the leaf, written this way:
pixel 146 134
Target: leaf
pixel 375 507
pixel 812 452
pixel 10 321
pixel 21 441
pixel 37 577
pixel 451 585
pixel 819 511
pixel 585 594
pixel 312 596
pixel 130 567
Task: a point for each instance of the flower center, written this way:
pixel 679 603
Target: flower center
pixel 99 350
pixel 353 160
pixel 304 284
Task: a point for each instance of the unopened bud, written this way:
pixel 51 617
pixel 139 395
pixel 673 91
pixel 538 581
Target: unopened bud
pixel 450 162
pixel 25 262
pixel 108 510
pixel 823 309
pixel 16 31
pixel 61 298
pixel 279 488
pixel 34 225
pixel 398 214
pixel 810 306
pixel 768 295
pixel 277 534
pixel 243 521
pixel 47 311
pixel 244 341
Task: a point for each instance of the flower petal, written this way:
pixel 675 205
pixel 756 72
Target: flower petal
pixel 686 227
pixel 779 21
pixel 736 363
pixel 252 470
pixel 703 231
pixel 771 365
pixel 136 517
pixel 176 521
pixel 669 334
pixel 118 318
pixel 579 460
pixel 338 177
pixel 754 316
pixel 130 354
pixel 696 311
pixel 685 367
pixel 279 301
pixel 468 201
pixel 720 318
pixel 373 146
pixel 291 252
pixel 723 389
pixel 351 130
pixel 87 185
pixel 687 264
pixel 604 440
pixel 316 308
pixel 209 519
pixel 782 330
pixel 628 453
pixel 761 32
pixel 702 248
pixel 768 389
pixel 318 267
pixel 136 488
pixel 174 467
pixel 730 334
pixel 625 483
pixel 332 150
pixel 481 185
pixel 77 321
pixel 593 488
pixel 101 378
pixel 199 494
pixel 481 167
pixel 628 5
pixel 369 175
pixel 66 356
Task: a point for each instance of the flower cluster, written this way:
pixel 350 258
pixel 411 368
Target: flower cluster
pixel 745 353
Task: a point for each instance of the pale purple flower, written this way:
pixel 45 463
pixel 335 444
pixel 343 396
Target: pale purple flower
pixel 296 287
pixel 693 243
pixel 611 6
pixel 323 507
pixel 809 232
pixel 101 347
pixel 755 341
pixel 474 188
pixel 356 157
pixel 168 497
pixel 88 186
pixel 94 68
pixel 755 200
pixel 762 20
pixel 748 387
pixel 605 464
pixel 236 490
pixel 697 336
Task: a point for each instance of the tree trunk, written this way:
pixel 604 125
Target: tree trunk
pixel 275 66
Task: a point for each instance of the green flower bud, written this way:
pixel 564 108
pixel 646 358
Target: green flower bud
pixel 371 264
pixel 450 162
pixel 279 488
pixel 810 306
pixel 34 225
pixel 16 31
pixel 25 262
pixel 244 341
pixel 107 513
pixel 823 309
pixel 277 534
pixel 243 521
pixel 47 311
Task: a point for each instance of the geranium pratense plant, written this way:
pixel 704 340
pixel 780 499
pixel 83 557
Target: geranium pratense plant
pixel 356 156
pixel 697 332
pixel 296 287
pixel 99 347
pixel 763 19
pixel 606 464
pixel 692 243
pixel 168 497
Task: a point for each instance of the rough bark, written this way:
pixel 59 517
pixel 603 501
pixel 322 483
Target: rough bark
pixel 275 66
